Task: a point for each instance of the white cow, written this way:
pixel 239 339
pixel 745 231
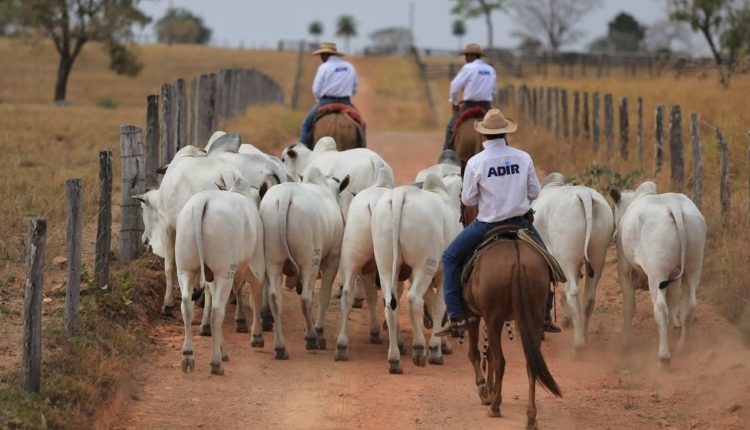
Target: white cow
pixel 358 260
pixel 448 164
pixel 219 236
pixel 303 229
pixel 410 230
pixel 660 240
pixel 266 167
pixel 360 164
pixel 576 224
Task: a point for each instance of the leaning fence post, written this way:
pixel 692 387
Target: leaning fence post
pixel 595 120
pixel 73 246
pixel 624 128
pixel 152 139
pixel 549 110
pixel 32 306
pixel 697 161
pixel 131 224
pixel 167 125
pixel 676 149
pixel 576 113
pixel 586 124
pixel 639 130
pixel 748 189
pixel 609 123
pixel 556 110
pixel 725 190
pixel 104 220
pixel 659 139
pixel 180 115
pixel 564 106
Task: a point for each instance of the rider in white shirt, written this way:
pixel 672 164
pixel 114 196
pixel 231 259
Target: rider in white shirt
pixel 335 82
pixel 477 79
pixel 501 180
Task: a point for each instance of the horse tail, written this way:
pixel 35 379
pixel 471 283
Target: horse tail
pixel 530 335
pixel 284 203
pixel 585 198
pixel 399 195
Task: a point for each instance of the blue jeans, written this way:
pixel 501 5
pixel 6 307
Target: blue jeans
pixel 468 104
pixel 305 133
pixel 461 248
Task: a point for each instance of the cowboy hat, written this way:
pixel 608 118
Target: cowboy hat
pixel 328 48
pixel 472 49
pixel 495 122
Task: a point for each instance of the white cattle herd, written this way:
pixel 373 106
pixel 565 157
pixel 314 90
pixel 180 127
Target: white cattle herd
pixel 231 217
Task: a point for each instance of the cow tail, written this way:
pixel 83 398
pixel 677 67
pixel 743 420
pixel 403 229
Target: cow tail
pixel 679 221
pixel 198 212
pixel 588 210
pixel 530 333
pixel 284 203
pixel 398 202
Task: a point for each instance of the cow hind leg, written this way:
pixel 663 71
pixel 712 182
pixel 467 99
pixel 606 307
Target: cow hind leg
pixel 371 296
pixel 359 294
pixel 187 307
pixel 170 270
pixel 687 311
pixel 205 327
pixel 661 314
pixel 308 285
pixel 436 303
pixel 589 302
pixel 674 293
pixel 274 281
pixel 222 288
pixel 419 286
pixel 326 284
pixel 240 317
pixel 342 342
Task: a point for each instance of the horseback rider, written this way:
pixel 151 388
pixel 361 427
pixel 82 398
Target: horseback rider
pixel 477 79
pixel 335 82
pixel 501 180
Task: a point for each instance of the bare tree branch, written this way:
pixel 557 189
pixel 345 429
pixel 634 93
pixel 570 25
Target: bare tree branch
pixel 554 21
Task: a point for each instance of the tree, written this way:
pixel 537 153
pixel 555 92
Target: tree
pixel 625 34
pixel 73 23
pixel 179 25
pixel 477 8
pixel 315 29
pixel 551 20
pixel 459 30
pixel 9 14
pixel 346 27
pixel 530 45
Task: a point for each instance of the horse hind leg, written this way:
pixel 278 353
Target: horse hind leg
pixel 475 357
pixel 494 332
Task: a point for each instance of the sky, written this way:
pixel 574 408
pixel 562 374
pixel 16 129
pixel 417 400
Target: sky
pixel 262 23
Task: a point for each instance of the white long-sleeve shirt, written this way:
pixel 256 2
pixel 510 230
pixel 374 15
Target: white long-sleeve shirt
pixel 335 78
pixel 501 180
pixel 477 79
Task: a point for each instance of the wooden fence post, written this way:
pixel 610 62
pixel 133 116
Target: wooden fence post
pixel 697 161
pixel 193 109
pixel 167 125
pixel 152 140
pixel 576 113
pixel 586 124
pixel 595 121
pixel 556 110
pixel 104 220
pixel 133 182
pixel 180 115
pixel 725 189
pixel 676 149
pixel 548 116
pixel 609 123
pixel 659 139
pixel 748 189
pixel 624 128
pixel 32 306
pixel 73 246
pixel 565 118
pixel 639 131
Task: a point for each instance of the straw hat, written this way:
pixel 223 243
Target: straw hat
pixel 472 49
pixel 495 122
pixel 328 48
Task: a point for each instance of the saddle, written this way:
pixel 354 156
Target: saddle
pixel 340 108
pixel 504 233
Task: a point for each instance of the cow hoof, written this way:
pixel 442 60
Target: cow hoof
pixel 240 326
pixel 375 338
pixel 216 369
pixel 446 348
pixel 322 344
pixel 484 394
pixel 665 362
pixel 435 357
pixel 401 349
pixel 358 303
pixel 205 330
pixel 266 320
pixel 567 322
pixel 342 353
pixel 257 341
pixel 394 367
pixel 417 356
pixel 281 353
pixel 167 311
pixel 494 414
pixel 188 364
pixel 267 325
pixel 311 343
pixel 224 356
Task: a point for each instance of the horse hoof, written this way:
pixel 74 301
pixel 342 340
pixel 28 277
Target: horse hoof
pixel 257 341
pixel 401 349
pixel 167 311
pixel 205 331
pixel 531 425
pixel 188 364
pixel 394 367
pixel 240 326
pixel 342 353
pixel 216 369
pixel 375 338
pixel 358 303
pixel 281 353
pixel 494 414
pixel 484 394
pixel 311 343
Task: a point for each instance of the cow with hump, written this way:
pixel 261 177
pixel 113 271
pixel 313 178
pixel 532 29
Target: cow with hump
pixel 303 228
pixel 660 240
pixel 576 224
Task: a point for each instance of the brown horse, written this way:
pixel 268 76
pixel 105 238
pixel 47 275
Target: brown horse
pixel 467 141
pixel 344 130
pixel 509 281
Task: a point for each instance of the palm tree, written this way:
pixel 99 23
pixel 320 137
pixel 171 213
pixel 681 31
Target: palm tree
pixel 346 27
pixel 459 30
pixel 315 29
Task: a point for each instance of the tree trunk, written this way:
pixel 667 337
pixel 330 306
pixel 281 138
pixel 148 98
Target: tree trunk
pixel 63 72
pixel 490 30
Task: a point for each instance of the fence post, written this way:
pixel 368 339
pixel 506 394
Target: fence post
pixel 595 120
pixel 697 161
pixel 194 102
pixel 639 131
pixel 32 306
pixel 104 220
pixel 624 128
pixel 180 115
pixel 659 139
pixel 549 110
pixel 522 102
pixel 576 113
pixel 676 149
pixel 586 124
pixel 73 247
pixel 564 106
pixel 609 123
pixel 131 223
pixel 167 125
pixel 725 190
pixel 535 106
pixel 152 139
pixel 556 110
pixel 748 164
pixel 202 119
